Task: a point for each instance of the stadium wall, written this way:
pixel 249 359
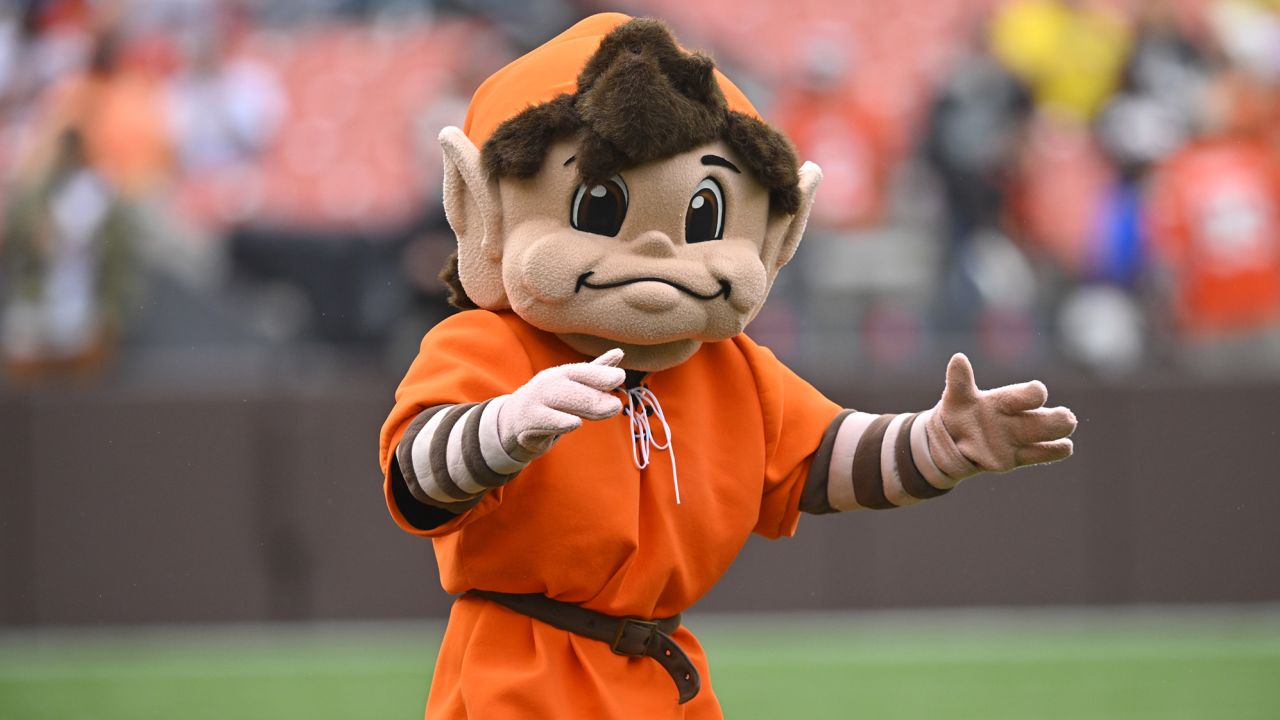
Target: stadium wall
pixel 131 506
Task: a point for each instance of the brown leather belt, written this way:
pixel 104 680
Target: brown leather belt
pixel 632 637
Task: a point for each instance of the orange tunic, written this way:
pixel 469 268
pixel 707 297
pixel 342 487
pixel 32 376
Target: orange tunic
pixel 582 524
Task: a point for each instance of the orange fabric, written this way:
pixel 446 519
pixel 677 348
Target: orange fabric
pixel 551 70
pixel 583 525
pixel 1216 222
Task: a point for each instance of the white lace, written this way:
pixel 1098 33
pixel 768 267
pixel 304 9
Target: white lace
pixel 642 442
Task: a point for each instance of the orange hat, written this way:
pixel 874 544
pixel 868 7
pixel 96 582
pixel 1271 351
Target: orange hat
pixel 551 70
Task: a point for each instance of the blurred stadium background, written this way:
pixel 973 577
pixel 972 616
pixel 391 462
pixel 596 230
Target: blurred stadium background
pixel 220 231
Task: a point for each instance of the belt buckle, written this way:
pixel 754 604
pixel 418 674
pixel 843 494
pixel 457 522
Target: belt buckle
pixel 650 626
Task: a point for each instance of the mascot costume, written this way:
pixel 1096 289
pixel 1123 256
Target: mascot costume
pixel 592 441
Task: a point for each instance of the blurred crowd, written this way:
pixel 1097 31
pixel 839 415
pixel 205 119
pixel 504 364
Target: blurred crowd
pixel 1077 183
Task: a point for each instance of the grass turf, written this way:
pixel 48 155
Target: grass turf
pixel 990 665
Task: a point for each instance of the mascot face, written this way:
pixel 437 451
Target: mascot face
pixel 665 251
pixel 654 226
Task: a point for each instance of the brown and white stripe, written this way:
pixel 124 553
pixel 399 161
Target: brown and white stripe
pixel 450 455
pixel 873 461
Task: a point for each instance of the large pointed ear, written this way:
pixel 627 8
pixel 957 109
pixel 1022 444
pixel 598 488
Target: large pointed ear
pixel 782 236
pixel 474 211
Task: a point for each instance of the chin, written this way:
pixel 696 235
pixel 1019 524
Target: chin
pixel 620 331
pixel 635 327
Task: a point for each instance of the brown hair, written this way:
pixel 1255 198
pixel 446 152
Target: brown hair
pixel 639 98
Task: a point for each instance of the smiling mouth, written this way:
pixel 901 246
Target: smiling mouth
pixel 725 286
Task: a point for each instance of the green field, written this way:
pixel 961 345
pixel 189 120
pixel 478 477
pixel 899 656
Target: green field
pixel 988 664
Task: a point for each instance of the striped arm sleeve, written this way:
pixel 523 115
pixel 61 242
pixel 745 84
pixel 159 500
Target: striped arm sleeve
pixel 450 455
pixel 873 461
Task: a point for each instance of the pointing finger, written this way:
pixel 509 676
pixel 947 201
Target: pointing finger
pixel 610 358
pixel 597 377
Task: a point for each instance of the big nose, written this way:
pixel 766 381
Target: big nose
pixel 654 244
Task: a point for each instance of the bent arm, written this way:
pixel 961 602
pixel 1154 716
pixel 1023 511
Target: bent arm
pixel 451 455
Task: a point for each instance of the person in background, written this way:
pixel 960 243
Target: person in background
pixel 973 132
pixel 828 122
pixel 119 111
pixel 66 259
pixel 1070 52
pixel 1248 34
pixel 1154 112
pixel 1215 220
pixel 1161 93
pixel 223 111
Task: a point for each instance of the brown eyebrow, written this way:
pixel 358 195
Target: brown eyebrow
pixel 571 159
pixel 717 160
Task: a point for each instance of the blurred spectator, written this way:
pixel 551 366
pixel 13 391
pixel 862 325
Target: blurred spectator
pixel 1160 97
pixel 973 133
pixel 51 40
pixel 1216 223
pixel 294 144
pixel 827 121
pixel 10 48
pixel 224 110
pixel 1069 51
pixel 1063 184
pixel 119 110
pixel 1249 33
pixel 67 266
pixel 1154 112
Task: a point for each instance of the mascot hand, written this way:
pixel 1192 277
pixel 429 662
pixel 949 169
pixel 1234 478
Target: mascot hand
pixel 556 401
pixel 974 430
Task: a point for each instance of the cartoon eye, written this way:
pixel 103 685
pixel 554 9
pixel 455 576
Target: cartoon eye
pixel 600 208
pixel 704 220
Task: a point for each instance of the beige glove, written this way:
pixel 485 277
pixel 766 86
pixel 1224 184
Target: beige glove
pixel 556 401
pixel 972 430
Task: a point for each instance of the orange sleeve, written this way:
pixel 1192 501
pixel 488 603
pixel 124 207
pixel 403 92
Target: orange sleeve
pixel 469 357
pixel 795 417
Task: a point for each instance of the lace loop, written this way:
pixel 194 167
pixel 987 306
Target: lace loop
pixel 640 401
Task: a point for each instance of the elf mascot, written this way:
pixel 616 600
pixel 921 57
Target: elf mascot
pixel 591 442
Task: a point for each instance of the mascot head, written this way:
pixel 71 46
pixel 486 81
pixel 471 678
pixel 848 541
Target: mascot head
pixel 618 191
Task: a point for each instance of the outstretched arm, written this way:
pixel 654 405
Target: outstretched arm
pixel 888 461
